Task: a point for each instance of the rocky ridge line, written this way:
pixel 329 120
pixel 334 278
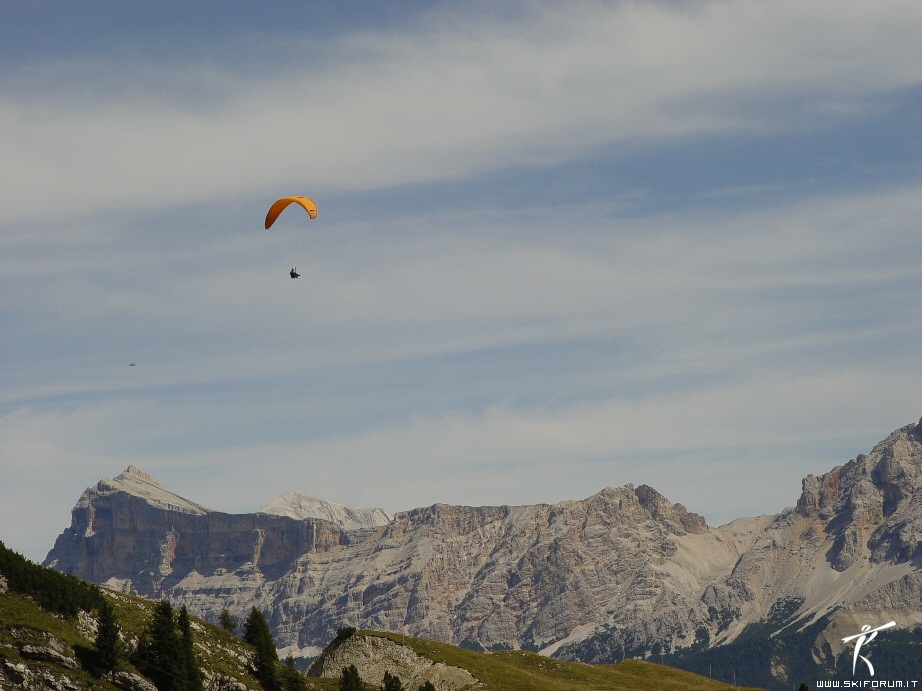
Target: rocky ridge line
pixel 595 579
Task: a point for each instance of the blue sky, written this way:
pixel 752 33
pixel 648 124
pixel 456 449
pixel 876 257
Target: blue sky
pixel 559 248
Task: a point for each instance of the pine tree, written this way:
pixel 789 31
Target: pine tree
pixel 292 679
pixel 227 621
pixel 192 677
pixel 428 686
pixel 107 643
pixel 159 652
pixel 350 680
pixel 392 682
pixel 256 633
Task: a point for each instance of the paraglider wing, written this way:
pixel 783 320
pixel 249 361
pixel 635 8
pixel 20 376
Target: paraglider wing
pixel 279 206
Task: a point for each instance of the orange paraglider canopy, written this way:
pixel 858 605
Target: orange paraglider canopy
pixel 279 206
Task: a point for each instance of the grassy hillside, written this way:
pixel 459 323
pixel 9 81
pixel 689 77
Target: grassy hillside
pixel 47 638
pixel 31 635
pixel 524 671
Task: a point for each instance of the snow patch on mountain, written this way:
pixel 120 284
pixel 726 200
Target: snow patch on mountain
pixel 300 506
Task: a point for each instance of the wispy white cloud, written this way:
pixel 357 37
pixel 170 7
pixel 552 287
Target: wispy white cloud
pixel 459 97
pixel 470 341
pixel 693 288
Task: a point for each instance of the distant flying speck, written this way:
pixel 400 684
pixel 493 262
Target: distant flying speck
pixel 131 364
pixel 293 273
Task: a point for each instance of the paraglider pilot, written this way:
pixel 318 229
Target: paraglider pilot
pixel 293 273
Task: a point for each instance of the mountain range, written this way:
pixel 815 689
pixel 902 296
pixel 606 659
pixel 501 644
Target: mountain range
pixel 623 573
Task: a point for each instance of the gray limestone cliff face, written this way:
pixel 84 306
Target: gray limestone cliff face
pixel 511 576
pixel 145 541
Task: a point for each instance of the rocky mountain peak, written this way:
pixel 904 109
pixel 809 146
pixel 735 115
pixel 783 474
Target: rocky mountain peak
pixel 893 467
pixel 139 484
pixel 134 474
pixel 675 514
pixel 301 506
pixel 870 504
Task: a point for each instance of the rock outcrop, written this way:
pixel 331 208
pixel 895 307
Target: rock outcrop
pixel 375 655
pixel 599 578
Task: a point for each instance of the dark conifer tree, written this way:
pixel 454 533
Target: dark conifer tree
pixel 57 592
pixel 227 621
pixel 428 686
pixel 292 679
pixel 159 653
pixel 191 675
pixel 108 647
pixel 266 663
pixel 350 680
pixel 392 682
